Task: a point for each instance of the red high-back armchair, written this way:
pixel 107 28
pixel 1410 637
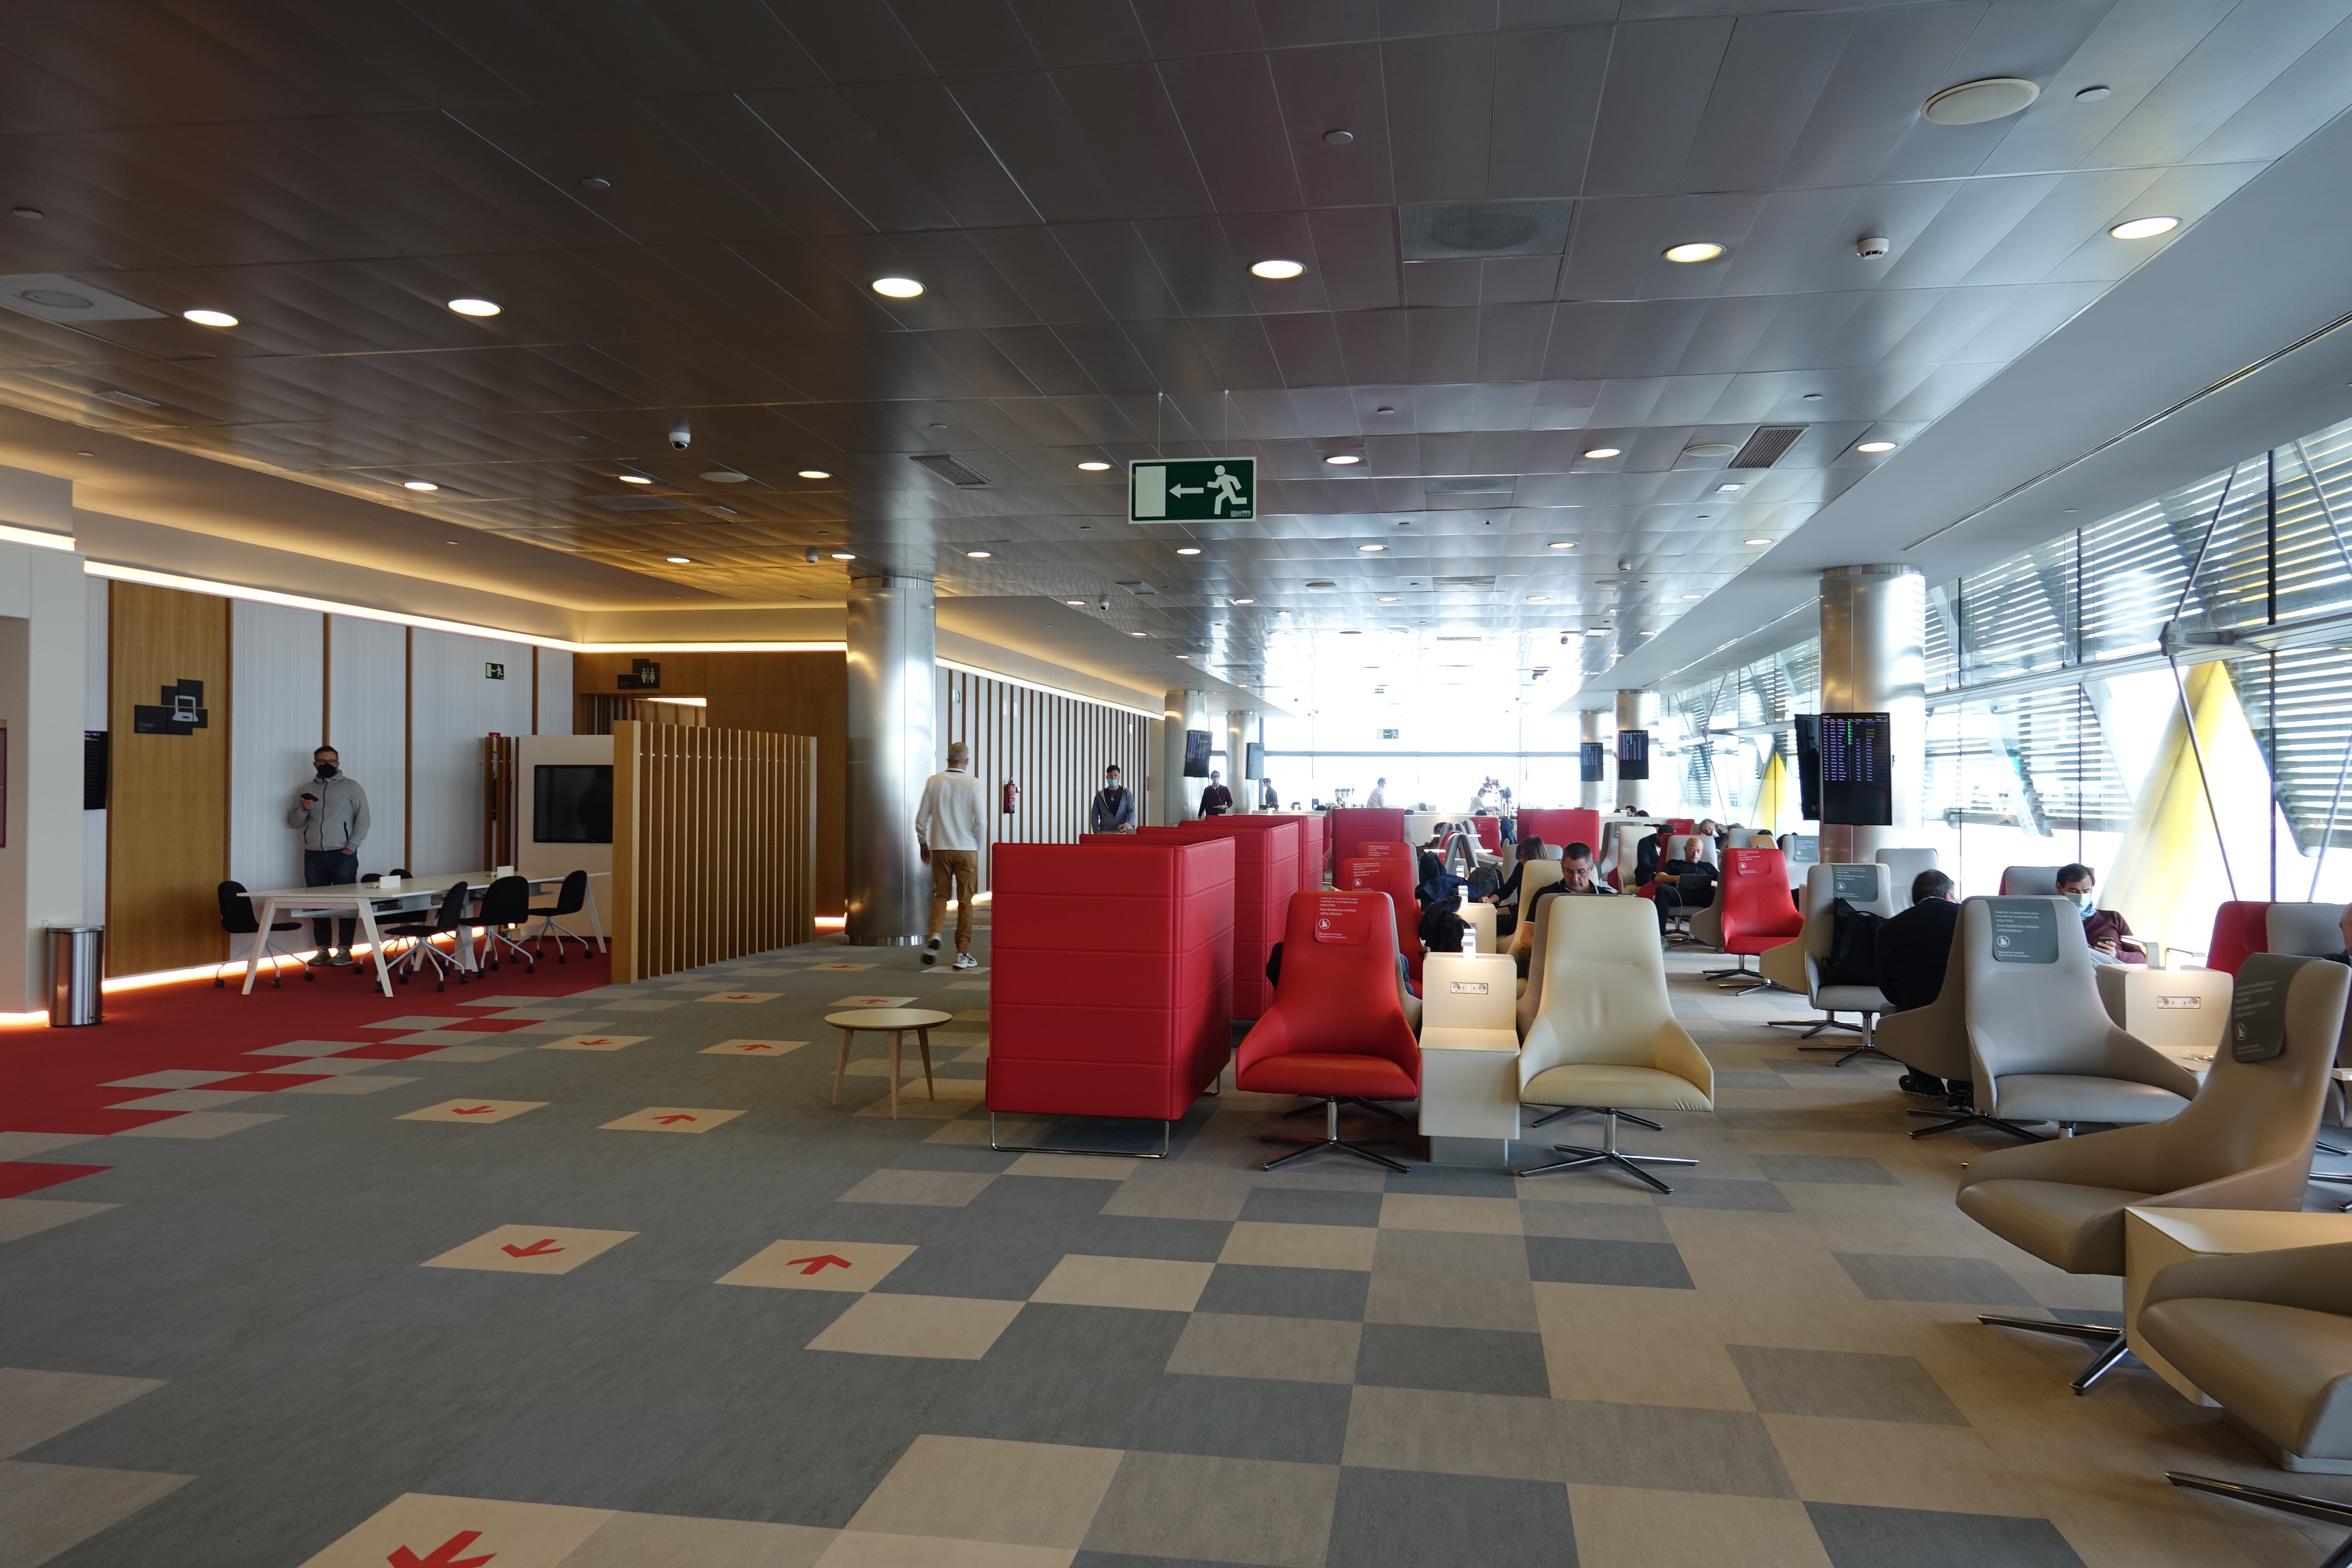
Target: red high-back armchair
pixel 1757 911
pixel 1336 1030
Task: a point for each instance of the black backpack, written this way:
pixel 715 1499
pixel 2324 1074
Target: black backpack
pixel 1442 926
pixel 1853 945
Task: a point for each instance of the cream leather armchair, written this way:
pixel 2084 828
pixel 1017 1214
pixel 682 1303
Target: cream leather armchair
pixel 1604 1036
pixel 2245 1143
pixel 1865 887
pixel 2041 1045
pixel 1534 876
pixel 1933 1040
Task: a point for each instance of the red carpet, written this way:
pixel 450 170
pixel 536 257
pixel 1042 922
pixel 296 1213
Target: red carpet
pixel 52 1080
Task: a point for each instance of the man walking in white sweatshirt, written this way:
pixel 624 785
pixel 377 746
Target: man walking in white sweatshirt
pixel 952 825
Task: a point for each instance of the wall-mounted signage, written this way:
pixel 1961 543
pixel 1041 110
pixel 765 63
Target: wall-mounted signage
pixel 182 710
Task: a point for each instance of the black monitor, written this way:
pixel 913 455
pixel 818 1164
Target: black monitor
pixel 571 802
pixel 1253 760
pixel 1633 755
pixel 1857 753
pixel 1591 762
pixel 1196 754
pixel 1808 765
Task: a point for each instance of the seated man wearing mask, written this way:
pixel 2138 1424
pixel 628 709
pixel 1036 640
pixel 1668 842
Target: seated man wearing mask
pixel 2109 934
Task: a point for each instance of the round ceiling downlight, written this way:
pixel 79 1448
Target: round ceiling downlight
pixel 977 554
pixel 210 318
pixel 1755 542
pixel 1094 468
pixel 1188 550
pixel 1341 460
pixel 1371 548
pixel 897 287
pixel 2143 228
pixel 635 479
pixel 1277 268
pixel 1875 446
pixel 1694 250
pixel 815 474
pixel 843 555
pixel 1605 452
pixel 1562 544
pixel 677 560
pixel 469 307
pixel 1974 102
pixel 418 485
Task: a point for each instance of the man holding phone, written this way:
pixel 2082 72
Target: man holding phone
pixel 330 813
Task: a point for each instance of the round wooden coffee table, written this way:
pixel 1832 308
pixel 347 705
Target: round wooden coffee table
pixel 897 1023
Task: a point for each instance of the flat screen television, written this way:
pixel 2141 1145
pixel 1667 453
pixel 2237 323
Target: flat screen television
pixel 1196 754
pixel 571 802
pixel 1857 770
pixel 1591 762
pixel 1254 765
pixel 1633 755
pixel 1808 765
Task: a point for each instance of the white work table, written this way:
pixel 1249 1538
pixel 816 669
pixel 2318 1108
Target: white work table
pixel 361 902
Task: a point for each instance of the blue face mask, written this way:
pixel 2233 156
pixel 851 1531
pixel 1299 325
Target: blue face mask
pixel 2082 901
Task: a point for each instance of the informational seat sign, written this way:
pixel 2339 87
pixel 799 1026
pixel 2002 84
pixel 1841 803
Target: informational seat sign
pixel 1201 489
pixel 2024 931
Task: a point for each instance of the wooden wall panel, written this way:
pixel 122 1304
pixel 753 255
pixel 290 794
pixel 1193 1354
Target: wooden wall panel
pixel 167 826
pixel 1054 747
pixel 714 845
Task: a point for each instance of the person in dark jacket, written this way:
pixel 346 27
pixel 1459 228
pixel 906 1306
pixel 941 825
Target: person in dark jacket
pixel 1113 810
pixel 1216 800
pixel 1913 946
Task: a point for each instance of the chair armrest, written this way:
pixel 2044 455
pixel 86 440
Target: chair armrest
pixel 2316 1279
pixel 1678 1054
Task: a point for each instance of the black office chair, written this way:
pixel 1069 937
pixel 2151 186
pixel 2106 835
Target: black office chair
pixel 506 903
pixel 450 919
pixel 569 900
pixel 237 918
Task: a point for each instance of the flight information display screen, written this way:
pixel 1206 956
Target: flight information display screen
pixel 1593 761
pixel 1808 726
pixel 1633 755
pixel 1857 770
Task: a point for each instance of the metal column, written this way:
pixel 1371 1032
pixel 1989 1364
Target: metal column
pixel 1594 795
pixel 893 641
pixel 1178 798
pixel 1875 660
pixel 1639 711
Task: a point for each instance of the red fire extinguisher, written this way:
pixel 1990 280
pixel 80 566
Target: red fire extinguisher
pixel 1011 797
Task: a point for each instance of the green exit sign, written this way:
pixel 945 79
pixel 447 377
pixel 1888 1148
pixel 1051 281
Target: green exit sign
pixel 1192 490
pixel 494 672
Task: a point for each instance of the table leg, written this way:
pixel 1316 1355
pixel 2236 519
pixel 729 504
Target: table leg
pixel 897 1040
pixel 375 945
pixel 595 920
pixel 253 959
pixel 840 1066
pixel 924 1035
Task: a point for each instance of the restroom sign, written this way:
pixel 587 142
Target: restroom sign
pixel 1205 490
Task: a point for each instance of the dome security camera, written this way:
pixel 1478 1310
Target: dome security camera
pixel 680 436
pixel 1871 247
pixel 812 556
pixel 1103 602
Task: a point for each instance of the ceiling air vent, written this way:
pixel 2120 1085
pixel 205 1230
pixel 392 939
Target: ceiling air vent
pixel 948 468
pixel 1448 231
pixel 1485 582
pixel 638 503
pixel 128 399
pixel 1764 448
pixel 1322 586
pixel 1139 588
pixel 1471 485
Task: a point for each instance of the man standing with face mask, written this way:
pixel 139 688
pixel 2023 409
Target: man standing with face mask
pixel 330 813
pixel 1113 810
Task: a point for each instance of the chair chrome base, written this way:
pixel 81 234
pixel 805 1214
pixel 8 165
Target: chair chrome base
pixel 1623 1116
pixel 1869 1047
pixel 1739 970
pixel 1956 1116
pixel 1813 1026
pixel 1330 1140
pixel 1372 1105
pixel 2110 1341
pixel 1165 1128
pixel 2319 1508
pixel 1608 1154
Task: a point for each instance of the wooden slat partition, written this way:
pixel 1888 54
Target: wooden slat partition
pixel 1052 746
pixel 714 845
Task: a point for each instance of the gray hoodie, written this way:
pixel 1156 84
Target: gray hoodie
pixel 337 820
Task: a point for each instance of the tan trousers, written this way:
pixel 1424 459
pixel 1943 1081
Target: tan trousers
pixel 960 868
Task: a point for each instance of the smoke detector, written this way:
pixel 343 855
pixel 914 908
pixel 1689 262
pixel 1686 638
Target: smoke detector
pixel 1871 247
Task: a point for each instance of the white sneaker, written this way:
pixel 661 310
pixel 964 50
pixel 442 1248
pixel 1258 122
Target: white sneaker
pixel 965 960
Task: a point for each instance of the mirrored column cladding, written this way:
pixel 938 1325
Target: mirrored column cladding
pixel 1639 711
pixel 1592 730
pixel 1241 729
pixel 1874 661
pixel 1178 799
pixel 892 644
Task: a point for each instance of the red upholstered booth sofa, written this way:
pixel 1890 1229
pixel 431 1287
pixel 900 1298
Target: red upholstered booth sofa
pixel 1354 825
pixel 1266 874
pixel 1394 878
pixel 1111 975
pixel 1561 825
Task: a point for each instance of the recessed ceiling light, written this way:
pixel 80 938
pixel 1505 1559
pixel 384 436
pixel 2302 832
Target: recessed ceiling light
pixel 843 555
pixel 677 561
pixel 1875 446
pixel 1604 452
pixel 2092 94
pixel 1755 542
pixel 30 215
pixel 1697 250
pixel 1974 102
pixel 1094 468
pixel 1135 634
pixel 1371 548
pixel 1694 596
pixel 897 287
pixel 210 318
pixel 1080 603
pixel 418 485
pixel 635 479
pixel 2145 228
pixel 1562 544
pixel 977 554
pixel 1338 137
pixel 1597 632
pixel 1727 490
pixel 1183 655
pixel 1245 600
pixel 1538 599
pixel 726 477
pixel 474 307
pixel 1812 397
pixel 815 474
pixel 594 182
pixel 1341 460
pixel 1390 598
pixel 1274 267
pixel 1188 550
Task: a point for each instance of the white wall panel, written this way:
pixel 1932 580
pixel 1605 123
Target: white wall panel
pixel 455 704
pixel 277 672
pixel 554 692
pixel 367 718
pixel 93 716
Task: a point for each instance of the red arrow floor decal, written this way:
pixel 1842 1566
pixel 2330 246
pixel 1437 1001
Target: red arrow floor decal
pixel 443 1555
pixel 471 1110
pixel 665 1120
pixel 756 1046
pixel 540 1248
pixel 816 1264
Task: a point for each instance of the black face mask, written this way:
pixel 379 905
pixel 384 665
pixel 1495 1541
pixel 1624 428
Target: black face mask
pixel 327 770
